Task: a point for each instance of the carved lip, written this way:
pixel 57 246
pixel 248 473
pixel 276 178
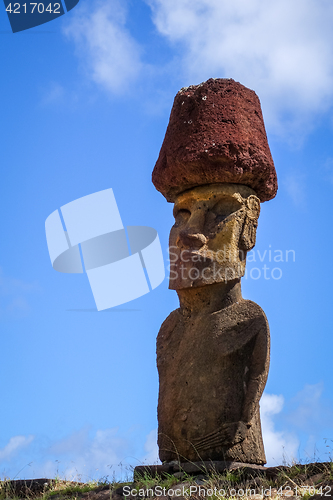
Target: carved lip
pixel 186 255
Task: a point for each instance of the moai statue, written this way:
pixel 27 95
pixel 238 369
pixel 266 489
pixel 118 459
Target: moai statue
pixel 213 352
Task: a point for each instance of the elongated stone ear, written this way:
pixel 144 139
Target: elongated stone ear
pixel 248 236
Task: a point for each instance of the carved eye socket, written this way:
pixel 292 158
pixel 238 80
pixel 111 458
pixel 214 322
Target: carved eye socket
pixel 223 208
pixel 182 215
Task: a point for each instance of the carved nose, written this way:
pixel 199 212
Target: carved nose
pixel 191 235
pixel 192 239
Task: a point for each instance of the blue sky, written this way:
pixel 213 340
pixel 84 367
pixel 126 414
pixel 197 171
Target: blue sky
pixel 85 101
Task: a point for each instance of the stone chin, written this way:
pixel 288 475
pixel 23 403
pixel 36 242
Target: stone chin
pixel 215 227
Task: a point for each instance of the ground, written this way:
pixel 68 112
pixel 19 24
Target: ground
pixel 306 482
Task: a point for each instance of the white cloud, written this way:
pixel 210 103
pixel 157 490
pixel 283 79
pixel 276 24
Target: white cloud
pixel 82 455
pixel 308 415
pixel 281 49
pixel 280 446
pixel 106 453
pixel 77 442
pixel 151 449
pixel 15 444
pixel 310 410
pixel 110 55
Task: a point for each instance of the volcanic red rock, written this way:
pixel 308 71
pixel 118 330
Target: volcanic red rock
pixel 216 134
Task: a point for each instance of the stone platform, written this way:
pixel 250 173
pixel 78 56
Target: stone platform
pixel 203 468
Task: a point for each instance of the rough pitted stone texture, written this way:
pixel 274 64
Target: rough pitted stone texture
pixel 216 134
pixel 225 215
pixel 213 352
pixel 212 369
pixel 196 468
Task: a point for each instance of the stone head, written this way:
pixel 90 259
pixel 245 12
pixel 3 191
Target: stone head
pixel 215 226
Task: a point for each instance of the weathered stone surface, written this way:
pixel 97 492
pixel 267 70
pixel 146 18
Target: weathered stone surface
pixel 213 368
pixel 197 468
pixel 25 488
pixel 213 352
pixel 307 473
pixel 215 226
pixel 216 134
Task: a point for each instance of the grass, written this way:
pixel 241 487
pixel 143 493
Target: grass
pixel 293 477
pixel 305 480
pixel 56 489
pixel 147 481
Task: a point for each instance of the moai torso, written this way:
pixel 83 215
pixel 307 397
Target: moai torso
pixel 212 369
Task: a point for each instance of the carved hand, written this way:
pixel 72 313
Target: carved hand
pixel 235 432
